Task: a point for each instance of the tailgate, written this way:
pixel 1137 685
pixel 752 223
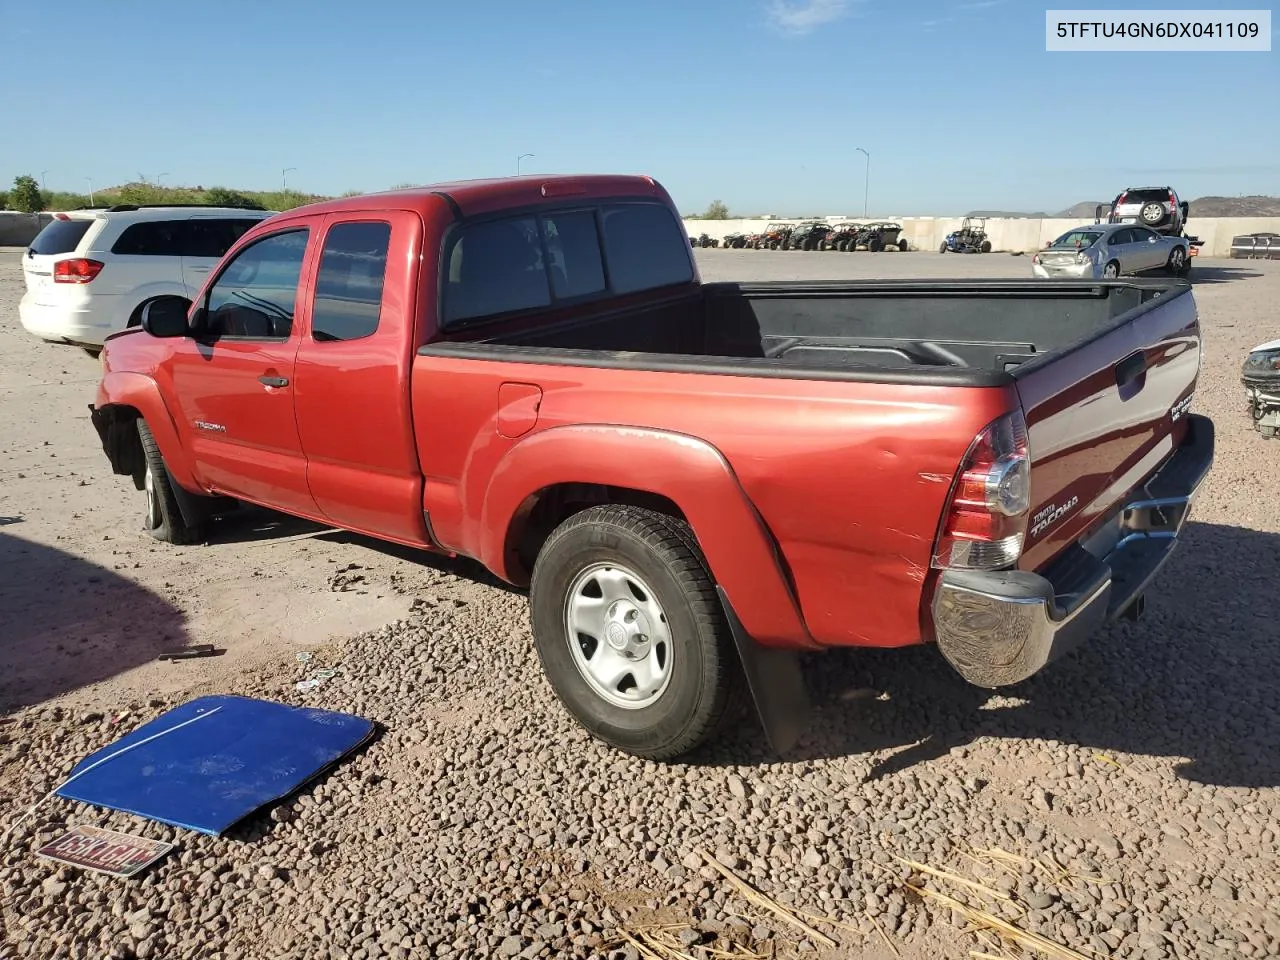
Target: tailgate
pixel 1103 414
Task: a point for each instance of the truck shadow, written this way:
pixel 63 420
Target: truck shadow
pixel 1200 275
pixel 250 524
pixel 1194 681
pixel 69 623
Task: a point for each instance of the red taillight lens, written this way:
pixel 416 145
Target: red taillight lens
pixel 76 271
pixel 986 518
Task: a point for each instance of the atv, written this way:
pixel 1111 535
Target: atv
pixel 735 241
pixel 807 236
pixel 775 237
pixel 705 240
pixel 880 236
pixel 841 236
pixel 970 238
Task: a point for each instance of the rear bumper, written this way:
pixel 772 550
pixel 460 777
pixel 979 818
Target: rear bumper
pixel 66 323
pixel 1072 271
pixel 1000 628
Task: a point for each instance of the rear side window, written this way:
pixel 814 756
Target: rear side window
pixel 523 263
pixel 353 268
pixel 212 236
pixel 60 236
pixel 644 247
pixel 155 238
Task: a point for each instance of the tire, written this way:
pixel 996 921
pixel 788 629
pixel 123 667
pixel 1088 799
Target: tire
pixel 902 245
pixel 1111 271
pixel 163 518
pixel 986 246
pixel 875 246
pixel 942 248
pixel 653 567
pixel 1152 214
pixel 1179 262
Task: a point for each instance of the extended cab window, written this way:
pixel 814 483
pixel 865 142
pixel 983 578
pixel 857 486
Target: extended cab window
pixel 496 267
pixel 353 267
pixel 255 295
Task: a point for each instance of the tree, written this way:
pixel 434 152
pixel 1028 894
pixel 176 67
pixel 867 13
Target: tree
pixel 716 210
pixel 25 195
pixel 222 197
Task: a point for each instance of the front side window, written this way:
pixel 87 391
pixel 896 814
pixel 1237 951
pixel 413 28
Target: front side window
pixel 254 297
pixel 353 268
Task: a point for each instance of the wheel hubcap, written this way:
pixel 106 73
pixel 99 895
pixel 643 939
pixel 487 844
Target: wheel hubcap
pixel 153 499
pixel 1177 258
pixel 618 636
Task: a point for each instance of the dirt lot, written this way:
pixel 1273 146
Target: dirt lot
pixel 1124 803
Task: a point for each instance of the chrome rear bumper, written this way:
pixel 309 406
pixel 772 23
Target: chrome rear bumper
pixel 998 628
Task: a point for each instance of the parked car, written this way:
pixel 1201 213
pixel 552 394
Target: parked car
pixel 1107 251
pixel 1261 378
pixel 1156 208
pixel 695 481
pixel 88 271
pixel 970 238
pixel 806 236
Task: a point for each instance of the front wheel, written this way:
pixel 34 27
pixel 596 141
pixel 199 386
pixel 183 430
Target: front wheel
pixel 1111 271
pixel 163 519
pixel 985 246
pixel 942 248
pixel 1178 261
pixel 631 634
pixel 902 245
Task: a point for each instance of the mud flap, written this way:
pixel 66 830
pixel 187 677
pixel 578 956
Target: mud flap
pixel 776 684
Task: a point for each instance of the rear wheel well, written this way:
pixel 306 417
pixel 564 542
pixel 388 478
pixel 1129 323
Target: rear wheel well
pixel 549 507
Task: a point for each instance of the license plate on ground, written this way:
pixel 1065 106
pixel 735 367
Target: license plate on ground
pixel 104 851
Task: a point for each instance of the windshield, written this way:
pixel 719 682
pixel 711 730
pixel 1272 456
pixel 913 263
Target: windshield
pixel 1077 238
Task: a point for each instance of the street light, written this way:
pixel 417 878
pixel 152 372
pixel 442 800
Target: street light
pixel 90 182
pixel 284 178
pixel 518 161
pixel 866 189
pixel 158 176
pixel 43 174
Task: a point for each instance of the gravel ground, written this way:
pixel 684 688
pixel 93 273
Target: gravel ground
pixel 1123 803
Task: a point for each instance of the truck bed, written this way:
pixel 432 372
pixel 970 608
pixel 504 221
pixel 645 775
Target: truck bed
pixel 958 332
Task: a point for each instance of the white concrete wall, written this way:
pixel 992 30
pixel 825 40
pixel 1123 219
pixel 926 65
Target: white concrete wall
pixel 1027 235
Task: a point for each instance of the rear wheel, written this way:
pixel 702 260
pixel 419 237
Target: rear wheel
pixel 942 248
pixel 631 634
pixel 875 246
pixel 902 245
pixel 163 518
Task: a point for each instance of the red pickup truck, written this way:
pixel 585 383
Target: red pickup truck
pixel 695 481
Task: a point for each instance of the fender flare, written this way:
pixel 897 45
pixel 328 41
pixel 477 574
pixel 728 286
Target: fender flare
pixel 136 390
pixel 697 477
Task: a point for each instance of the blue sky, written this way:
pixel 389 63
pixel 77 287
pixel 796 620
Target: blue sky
pixel 760 103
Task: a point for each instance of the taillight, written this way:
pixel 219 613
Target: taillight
pixel 1036 258
pixel 986 516
pixel 76 271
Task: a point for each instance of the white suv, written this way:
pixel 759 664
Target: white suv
pixel 88 271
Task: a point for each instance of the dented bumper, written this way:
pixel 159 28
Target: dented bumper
pixel 999 628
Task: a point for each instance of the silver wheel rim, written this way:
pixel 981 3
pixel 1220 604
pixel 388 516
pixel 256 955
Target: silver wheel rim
pixel 618 636
pixel 1177 259
pixel 1111 270
pixel 153 499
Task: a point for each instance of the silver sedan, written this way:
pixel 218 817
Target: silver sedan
pixel 1109 250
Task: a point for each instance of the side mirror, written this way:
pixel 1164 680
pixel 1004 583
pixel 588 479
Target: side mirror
pixel 166 316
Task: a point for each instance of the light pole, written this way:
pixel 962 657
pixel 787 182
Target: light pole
pixel 866 189
pixel 90 182
pixel 158 176
pixel 284 178
pixel 519 159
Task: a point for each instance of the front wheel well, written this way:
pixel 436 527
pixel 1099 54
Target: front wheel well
pixel 545 509
pixel 121 444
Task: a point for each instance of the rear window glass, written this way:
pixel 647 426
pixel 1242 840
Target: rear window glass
pixel 1144 196
pixel 512 264
pixel 60 236
pixel 1077 238
pixel 644 247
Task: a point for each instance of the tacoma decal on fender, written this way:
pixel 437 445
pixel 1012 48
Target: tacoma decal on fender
pixel 1050 515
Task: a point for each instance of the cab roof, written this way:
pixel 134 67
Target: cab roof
pixel 475 197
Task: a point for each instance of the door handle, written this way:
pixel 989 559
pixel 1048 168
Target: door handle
pixel 274 381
